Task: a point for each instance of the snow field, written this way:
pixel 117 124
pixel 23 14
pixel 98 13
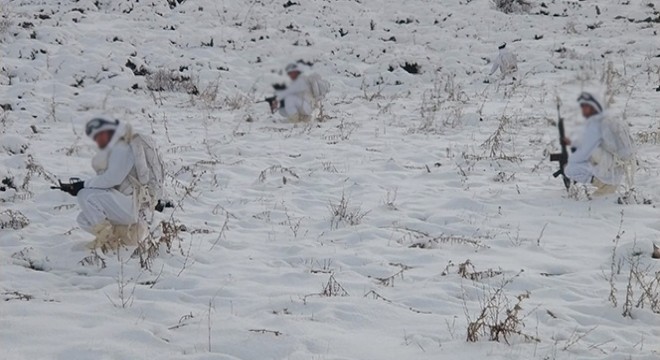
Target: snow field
pixel 436 168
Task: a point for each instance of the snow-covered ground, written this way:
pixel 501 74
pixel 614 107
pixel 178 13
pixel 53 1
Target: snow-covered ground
pixel 437 168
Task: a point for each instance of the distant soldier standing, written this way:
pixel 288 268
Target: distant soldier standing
pixel 505 61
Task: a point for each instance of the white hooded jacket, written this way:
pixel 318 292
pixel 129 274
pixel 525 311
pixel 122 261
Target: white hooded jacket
pixel 299 88
pixel 604 150
pixel 115 164
pixel 303 96
pixel 298 100
pixel 505 61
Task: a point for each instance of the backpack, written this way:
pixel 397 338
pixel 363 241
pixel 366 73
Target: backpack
pixel 318 86
pixel 617 139
pixel 150 171
pixel 620 144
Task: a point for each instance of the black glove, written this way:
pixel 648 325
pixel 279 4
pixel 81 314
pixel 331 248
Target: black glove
pixel 162 205
pixel 72 188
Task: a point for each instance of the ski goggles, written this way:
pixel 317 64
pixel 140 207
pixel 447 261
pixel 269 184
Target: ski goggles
pixel 587 99
pixel 292 68
pixel 97 125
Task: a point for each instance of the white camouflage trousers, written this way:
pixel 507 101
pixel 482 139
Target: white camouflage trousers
pixel 600 165
pixel 98 205
pixel 296 109
pixel 579 172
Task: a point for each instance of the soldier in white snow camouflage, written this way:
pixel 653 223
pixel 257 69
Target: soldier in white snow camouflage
pixel 505 61
pixel 299 100
pixel 129 179
pixel 604 155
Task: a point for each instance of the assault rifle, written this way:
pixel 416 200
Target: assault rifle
pixel 270 100
pixel 62 185
pixel 273 99
pixel 562 157
pixel 160 206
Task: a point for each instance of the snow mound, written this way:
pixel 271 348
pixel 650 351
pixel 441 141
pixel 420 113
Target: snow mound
pixel 13 144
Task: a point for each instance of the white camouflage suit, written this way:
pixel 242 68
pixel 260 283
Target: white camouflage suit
pixel 108 195
pixel 580 167
pixel 298 100
pixel 303 96
pixel 505 61
pixel 603 151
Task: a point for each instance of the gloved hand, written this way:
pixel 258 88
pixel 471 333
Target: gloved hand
pixel 161 205
pixel 72 188
pixel 273 106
